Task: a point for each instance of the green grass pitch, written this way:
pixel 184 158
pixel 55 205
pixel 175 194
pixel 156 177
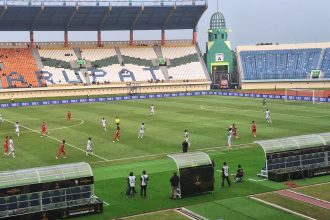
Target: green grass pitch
pixel 206 118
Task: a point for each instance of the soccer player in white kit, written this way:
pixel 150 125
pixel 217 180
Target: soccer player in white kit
pixel 17 128
pixel 89 149
pixel 230 135
pixel 186 137
pixel 11 147
pixel 152 110
pixel 104 124
pixel 268 119
pixel 141 132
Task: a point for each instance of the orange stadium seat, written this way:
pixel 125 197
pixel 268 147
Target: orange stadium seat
pixel 19 61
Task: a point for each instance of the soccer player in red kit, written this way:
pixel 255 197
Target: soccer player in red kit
pixel 234 131
pixel 117 134
pixel 68 116
pixel 43 129
pixel 5 146
pixel 61 150
pixel 254 129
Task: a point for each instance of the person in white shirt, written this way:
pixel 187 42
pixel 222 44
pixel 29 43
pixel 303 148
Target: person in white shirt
pixel 104 124
pixel 11 147
pixel 230 135
pixel 144 182
pixel 17 128
pixel 141 131
pixel 225 174
pixel 89 149
pixel 268 119
pixel 152 110
pixel 131 184
pixel 186 136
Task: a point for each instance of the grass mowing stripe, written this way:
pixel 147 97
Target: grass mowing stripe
pixel 35 131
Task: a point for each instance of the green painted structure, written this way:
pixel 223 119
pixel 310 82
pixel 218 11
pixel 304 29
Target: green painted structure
pixel 219 56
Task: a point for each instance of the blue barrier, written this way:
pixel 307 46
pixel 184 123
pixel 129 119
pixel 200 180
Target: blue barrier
pixel 163 95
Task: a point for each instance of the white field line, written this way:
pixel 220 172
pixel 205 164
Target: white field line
pixel 147 213
pixel 191 212
pixel 38 132
pixel 311 197
pixel 64 127
pixel 254 180
pixel 164 154
pixel 225 109
pixel 282 208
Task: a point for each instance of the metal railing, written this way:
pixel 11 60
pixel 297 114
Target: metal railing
pixel 101 2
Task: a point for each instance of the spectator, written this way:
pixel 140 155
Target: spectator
pixel 185 145
pixel 225 174
pixel 175 180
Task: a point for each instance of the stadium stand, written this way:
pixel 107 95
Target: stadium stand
pixel 184 63
pixel 325 64
pixel 279 64
pixel 18 68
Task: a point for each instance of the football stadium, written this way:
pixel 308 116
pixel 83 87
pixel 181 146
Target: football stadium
pixel 171 128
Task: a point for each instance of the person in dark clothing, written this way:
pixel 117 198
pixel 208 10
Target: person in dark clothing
pixel 225 174
pixel 175 180
pixel 185 145
pixel 239 174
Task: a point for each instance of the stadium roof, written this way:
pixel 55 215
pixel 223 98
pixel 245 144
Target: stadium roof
pixel 93 15
pixel 295 143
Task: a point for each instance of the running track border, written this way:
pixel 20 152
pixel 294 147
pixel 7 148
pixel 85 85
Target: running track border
pixel 162 95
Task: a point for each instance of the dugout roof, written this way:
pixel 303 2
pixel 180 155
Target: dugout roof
pixel 192 159
pixel 93 15
pixel 44 174
pixel 294 143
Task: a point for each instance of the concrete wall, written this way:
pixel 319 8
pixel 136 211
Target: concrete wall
pixel 102 90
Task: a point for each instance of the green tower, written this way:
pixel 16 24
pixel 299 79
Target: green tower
pixel 219 57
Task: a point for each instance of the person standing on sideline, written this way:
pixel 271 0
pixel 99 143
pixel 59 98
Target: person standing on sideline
pixel 141 131
pixel 175 180
pixel 131 184
pixel 11 147
pixel 225 174
pixel 152 110
pixel 254 129
pixel 17 128
pixel 264 102
pixel 144 182
pixel 186 137
pixel 268 119
pixel 230 135
pixel 61 150
pixel 104 124
pixel 185 146
pixel 89 149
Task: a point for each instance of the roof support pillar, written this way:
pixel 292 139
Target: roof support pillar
pixel 194 36
pixel 31 39
pixel 99 38
pixel 163 37
pixel 131 38
pixel 66 39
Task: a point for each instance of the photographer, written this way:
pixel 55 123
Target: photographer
pixel 131 184
pixel 175 180
pixel 144 182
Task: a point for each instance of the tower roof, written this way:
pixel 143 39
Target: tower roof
pixel 217 21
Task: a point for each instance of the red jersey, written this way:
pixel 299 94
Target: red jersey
pixel 68 115
pixel 254 127
pixel 43 127
pixel 5 143
pixel 61 147
pixel 234 131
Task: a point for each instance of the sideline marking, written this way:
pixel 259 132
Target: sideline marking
pixel 247 145
pixel 282 208
pixel 58 140
pixel 254 180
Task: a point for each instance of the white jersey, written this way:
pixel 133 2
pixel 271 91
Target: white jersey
pixel 104 122
pixel 225 170
pixel 152 108
pixel 11 145
pixel 230 134
pixel 268 114
pixel 17 128
pixel 144 180
pixel 142 129
pixel 186 136
pixel 131 181
pixel 89 145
